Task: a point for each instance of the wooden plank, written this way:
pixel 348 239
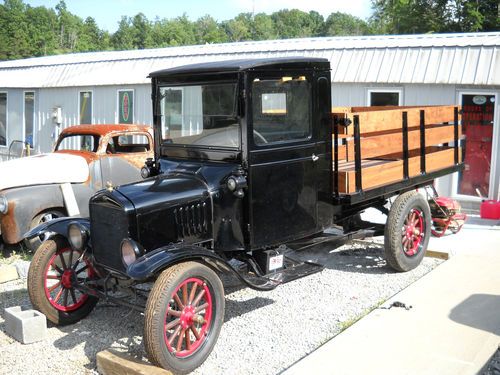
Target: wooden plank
pixel 437 254
pixel 381 145
pixel 110 362
pixel 379 119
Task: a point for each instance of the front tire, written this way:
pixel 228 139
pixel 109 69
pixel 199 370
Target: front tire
pixel 183 317
pixel 407 231
pixel 52 275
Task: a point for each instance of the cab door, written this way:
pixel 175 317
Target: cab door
pixel 284 156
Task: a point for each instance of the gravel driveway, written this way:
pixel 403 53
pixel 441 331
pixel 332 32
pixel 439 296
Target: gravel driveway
pixel 263 333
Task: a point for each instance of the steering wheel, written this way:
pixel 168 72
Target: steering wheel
pixel 257 135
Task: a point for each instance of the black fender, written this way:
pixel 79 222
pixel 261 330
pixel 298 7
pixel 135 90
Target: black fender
pixel 152 263
pixel 57 226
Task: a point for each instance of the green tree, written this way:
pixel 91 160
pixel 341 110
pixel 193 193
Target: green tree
pixel 141 32
pixel 123 38
pixel 293 23
pixel 239 28
pixel 263 27
pixel 344 24
pixel 14 41
pixel 42 31
pixel 209 31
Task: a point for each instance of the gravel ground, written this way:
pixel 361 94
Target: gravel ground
pixel 263 333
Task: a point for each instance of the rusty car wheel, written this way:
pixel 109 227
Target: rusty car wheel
pixel 407 231
pixel 183 317
pixel 54 273
pixel 41 218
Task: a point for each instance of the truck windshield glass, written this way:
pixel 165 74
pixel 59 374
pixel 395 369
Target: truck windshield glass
pixel 200 115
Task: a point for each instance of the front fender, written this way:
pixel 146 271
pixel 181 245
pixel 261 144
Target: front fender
pixel 57 226
pixel 151 264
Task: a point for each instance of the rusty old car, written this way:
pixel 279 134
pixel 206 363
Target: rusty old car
pixel 40 188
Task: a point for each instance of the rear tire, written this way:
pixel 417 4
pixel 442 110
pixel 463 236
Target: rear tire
pixel 183 317
pixel 50 286
pixel 407 231
pixel 35 242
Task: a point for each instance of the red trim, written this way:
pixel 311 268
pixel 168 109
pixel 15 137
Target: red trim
pixel 58 287
pixel 185 328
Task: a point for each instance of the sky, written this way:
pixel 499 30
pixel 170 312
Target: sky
pixel 107 13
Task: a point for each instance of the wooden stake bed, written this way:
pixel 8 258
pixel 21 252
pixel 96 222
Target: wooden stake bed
pixel 392 144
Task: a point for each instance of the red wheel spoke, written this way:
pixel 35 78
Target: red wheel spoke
pixel 174 313
pixel 185 294
pixel 193 293
pixel 172 324
pixel 405 240
pixel 179 340
pixel 201 308
pixel 187 338
pixel 176 332
pixel 195 332
pixel 177 300
pixel 54 287
pixel 70 259
pixel 58 296
pixel 53 277
pixel 199 297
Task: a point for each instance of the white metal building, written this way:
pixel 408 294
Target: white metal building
pixel 40 96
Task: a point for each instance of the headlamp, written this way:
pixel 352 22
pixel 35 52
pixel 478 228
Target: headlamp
pixel 130 251
pixel 4 205
pixel 77 235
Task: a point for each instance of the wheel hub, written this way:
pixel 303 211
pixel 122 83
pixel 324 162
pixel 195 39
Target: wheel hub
pixel 66 279
pixel 187 316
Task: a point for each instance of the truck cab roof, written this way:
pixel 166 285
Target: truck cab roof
pixel 234 66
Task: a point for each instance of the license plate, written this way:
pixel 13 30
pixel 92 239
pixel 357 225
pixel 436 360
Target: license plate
pixel 275 262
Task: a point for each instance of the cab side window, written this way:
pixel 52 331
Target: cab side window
pixel 131 143
pixel 281 110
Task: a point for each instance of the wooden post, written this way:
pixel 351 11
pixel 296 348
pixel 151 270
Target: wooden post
pixel 405 146
pixel 455 143
pixel 422 141
pixel 357 154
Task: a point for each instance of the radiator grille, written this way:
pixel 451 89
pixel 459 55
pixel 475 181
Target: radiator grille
pixel 109 226
pixel 191 220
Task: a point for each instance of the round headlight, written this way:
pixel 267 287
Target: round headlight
pixel 231 184
pixel 77 235
pixel 4 205
pixel 130 251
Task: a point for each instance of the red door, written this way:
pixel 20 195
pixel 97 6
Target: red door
pixel 477 120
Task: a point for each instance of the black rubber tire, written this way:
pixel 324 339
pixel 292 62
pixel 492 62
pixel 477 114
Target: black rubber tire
pixel 36 287
pixel 35 242
pixel 156 307
pixel 394 254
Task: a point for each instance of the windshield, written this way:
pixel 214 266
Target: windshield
pixel 78 142
pixel 200 115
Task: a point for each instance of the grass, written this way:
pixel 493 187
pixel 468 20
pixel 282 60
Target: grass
pixel 346 324
pixel 12 256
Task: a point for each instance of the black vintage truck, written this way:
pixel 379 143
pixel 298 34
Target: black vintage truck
pixel 249 157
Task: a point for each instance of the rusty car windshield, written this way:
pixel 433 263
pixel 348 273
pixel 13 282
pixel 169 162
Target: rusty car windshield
pixel 78 142
pixel 200 115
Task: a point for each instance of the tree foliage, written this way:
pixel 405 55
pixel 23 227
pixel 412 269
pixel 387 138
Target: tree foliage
pixel 27 31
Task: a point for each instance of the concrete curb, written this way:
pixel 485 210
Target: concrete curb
pixel 8 273
pixel 110 362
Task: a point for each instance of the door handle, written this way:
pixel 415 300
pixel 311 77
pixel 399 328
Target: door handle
pixel 314 157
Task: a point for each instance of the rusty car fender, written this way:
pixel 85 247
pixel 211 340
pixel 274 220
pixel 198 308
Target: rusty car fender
pixel 24 204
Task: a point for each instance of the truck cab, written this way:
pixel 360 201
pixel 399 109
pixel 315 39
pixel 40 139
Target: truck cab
pixel 243 166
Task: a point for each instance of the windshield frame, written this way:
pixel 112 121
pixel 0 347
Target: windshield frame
pixel 62 137
pixel 182 84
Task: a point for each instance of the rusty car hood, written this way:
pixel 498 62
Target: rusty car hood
pixel 53 168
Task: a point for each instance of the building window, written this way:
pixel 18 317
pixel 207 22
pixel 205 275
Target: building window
pixel 125 106
pixel 29 117
pixel 3 119
pixel 384 97
pixel 85 106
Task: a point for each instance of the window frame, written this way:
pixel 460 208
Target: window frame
pixel 24 115
pixel 389 90
pixel 91 107
pixel 6 119
pixel 181 89
pixel 269 76
pixel 117 113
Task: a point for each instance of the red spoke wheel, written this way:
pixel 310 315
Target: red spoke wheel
pixel 54 273
pixel 183 317
pixel 407 231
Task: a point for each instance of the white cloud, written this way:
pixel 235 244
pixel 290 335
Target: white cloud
pixel 358 8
